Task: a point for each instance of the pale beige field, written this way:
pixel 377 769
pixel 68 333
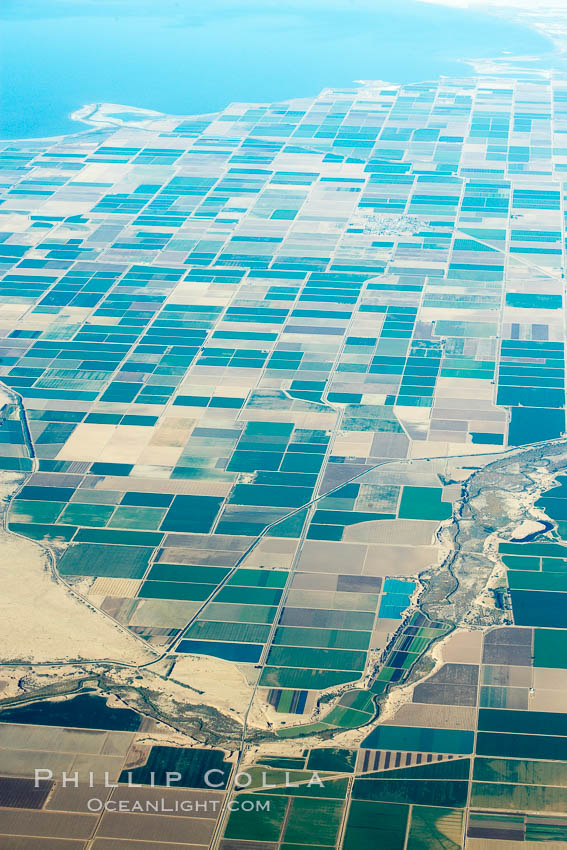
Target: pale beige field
pixel 41 620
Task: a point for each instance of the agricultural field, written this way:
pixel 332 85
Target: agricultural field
pixel 285 409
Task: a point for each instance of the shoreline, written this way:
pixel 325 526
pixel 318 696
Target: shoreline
pixel 96 116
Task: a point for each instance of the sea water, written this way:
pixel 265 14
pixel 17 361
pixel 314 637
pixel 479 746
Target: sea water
pixel 189 57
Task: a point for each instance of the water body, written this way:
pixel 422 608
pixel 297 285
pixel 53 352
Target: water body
pixel 176 57
pixel 86 711
pixel 548 526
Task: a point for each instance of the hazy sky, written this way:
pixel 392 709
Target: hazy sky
pixel 195 8
pixel 529 5
pixel 54 7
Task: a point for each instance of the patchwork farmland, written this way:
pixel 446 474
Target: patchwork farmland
pixel 284 414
